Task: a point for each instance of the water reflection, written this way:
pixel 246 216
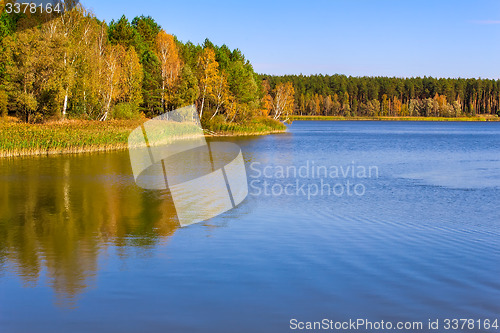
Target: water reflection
pixel 58 215
pixel 407 250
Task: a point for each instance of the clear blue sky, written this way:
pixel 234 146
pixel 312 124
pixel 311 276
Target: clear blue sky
pixel 374 38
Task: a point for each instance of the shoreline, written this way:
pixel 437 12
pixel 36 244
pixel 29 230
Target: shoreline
pixel 80 137
pixel 236 134
pixel 117 147
pixel 387 118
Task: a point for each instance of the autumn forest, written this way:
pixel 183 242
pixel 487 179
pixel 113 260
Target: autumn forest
pixel 340 95
pixel 79 67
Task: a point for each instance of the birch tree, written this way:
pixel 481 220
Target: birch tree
pixel 170 65
pixel 112 76
pixel 221 93
pixel 283 100
pixel 132 76
pixel 208 71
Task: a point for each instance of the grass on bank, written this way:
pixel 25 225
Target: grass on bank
pixel 257 126
pixel 69 136
pixel 75 136
pixel 386 118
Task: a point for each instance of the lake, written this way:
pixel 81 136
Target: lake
pixel 393 221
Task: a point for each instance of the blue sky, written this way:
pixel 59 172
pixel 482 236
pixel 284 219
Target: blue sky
pixel 358 38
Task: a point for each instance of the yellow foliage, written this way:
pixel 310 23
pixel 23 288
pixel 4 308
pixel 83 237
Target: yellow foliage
pixel 283 100
pixel 208 75
pixel 170 64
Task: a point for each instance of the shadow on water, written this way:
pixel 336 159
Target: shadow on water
pixel 58 215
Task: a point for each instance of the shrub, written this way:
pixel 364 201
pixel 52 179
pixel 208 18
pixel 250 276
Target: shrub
pixel 125 111
pixel 3 103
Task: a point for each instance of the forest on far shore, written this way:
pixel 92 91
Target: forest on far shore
pixel 341 95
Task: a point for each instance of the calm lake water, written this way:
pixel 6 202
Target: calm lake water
pixel 413 234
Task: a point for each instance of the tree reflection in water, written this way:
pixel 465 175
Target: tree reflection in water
pixel 60 214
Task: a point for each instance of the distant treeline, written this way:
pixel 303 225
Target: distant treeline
pixel 340 95
pixel 77 66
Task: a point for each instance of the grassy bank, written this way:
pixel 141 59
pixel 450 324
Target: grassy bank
pixel 384 118
pixel 76 136
pixel 258 126
pixel 17 139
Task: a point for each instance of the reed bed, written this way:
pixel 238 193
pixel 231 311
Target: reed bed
pixel 79 136
pixel 258 126
pixel 72 136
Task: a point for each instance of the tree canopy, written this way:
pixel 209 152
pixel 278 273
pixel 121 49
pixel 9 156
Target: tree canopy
pixel 78 66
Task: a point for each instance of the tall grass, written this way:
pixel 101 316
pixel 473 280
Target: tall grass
pixel 255 126
pixel 75 136
pixel 72 136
